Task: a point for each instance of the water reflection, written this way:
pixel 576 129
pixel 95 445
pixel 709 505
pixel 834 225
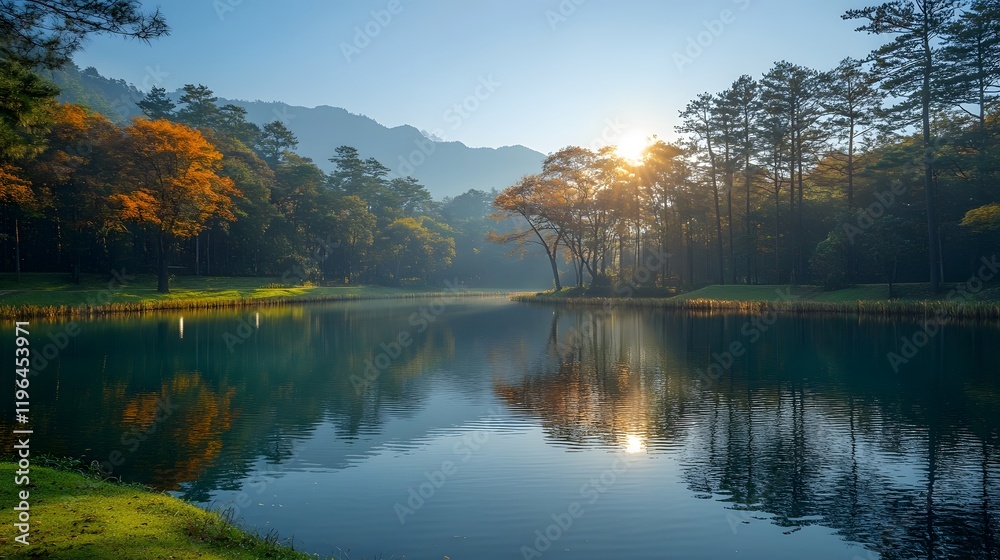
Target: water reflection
pixel 808 428
pixel 813 427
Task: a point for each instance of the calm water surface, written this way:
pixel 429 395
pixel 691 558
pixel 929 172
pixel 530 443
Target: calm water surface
pixel 492 430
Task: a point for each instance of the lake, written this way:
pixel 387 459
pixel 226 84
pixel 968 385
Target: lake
pixel 484 429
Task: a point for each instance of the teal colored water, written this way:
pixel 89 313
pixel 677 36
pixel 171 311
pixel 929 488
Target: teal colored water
pixel 483 429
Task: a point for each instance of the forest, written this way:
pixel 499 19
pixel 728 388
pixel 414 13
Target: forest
pixel 879 170
pixel 197 189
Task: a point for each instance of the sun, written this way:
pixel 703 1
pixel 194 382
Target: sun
pixel 632 145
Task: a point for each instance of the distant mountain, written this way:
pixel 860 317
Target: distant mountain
pixel 445 168
pixel 115 99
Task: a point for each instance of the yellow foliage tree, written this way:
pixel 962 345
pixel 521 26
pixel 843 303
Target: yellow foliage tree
pixel 983 219
pixel 174 185
pixel 73 177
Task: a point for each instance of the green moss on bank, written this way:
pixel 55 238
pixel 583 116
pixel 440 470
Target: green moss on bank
pixel 76 516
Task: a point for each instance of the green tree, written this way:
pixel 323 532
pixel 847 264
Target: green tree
pixel 299 195
pixel 26 108
pixel 912 71
pixel 275 139
pixel 698 122
pixel 355 229
pixel 791 96
pixel 233 123
pixel 47 33
pixel 972 56
pixel 851 100
pixel 416 248
pixel 830 260
pixel 743 100
pixel 199 107
pixel 252 247
pixel 156 105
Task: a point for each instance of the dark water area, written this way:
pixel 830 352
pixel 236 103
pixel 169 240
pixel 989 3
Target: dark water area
pixel 482 429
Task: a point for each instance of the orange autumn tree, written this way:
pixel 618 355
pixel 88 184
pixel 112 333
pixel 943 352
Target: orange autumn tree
pixel 74 179
pixel 174 186
pixel 16 192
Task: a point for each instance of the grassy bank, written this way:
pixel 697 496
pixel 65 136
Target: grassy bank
pixel 74 515
pixel 53 295
pixel 914 300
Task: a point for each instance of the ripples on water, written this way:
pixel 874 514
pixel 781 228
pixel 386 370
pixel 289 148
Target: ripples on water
pixel 808 445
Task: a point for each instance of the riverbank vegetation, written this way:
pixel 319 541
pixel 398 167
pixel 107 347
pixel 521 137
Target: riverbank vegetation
pixel 75 514
pixel 916 300
pixel 55 295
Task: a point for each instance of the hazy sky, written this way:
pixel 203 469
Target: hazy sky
pixel 542 73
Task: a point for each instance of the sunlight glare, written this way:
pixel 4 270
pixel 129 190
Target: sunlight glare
pixel 632 145
pixel 633 444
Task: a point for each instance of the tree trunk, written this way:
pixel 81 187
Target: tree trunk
pixel 850 198
pixel 690 255
pixel 933 255
pixel 162 279
pixel 718 234
pixel 777 224
pixel 17 249
pixel 729 213
pixel 799 263
pixel 777 214
pixel 791 207
pixel 746 218
pixel 75 276
pixel 718 214
pixel 555 270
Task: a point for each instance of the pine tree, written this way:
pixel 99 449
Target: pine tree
pixel 698 122
pixel 973 59
pixel 200 110
pixel 911 70
pixel 156 104
pixel 851 100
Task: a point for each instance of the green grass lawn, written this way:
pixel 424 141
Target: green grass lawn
pixel 915 300
pixel 861 292
pixel 56 289
pixel 739 292
pixel 76 516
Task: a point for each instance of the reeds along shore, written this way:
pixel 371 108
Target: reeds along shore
pixel 941 311
pixel 18 312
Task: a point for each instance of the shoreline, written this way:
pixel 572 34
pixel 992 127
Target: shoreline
pixel 940 310
pixel 73 512
pixel 29 311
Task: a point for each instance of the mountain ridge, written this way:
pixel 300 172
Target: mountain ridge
pixel 446 168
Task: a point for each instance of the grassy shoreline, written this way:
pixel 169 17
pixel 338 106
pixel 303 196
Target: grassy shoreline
pixel 916 301
pixel 74 514
pixel 52 295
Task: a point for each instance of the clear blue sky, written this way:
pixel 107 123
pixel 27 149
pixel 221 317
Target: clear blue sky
pixel 556 79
